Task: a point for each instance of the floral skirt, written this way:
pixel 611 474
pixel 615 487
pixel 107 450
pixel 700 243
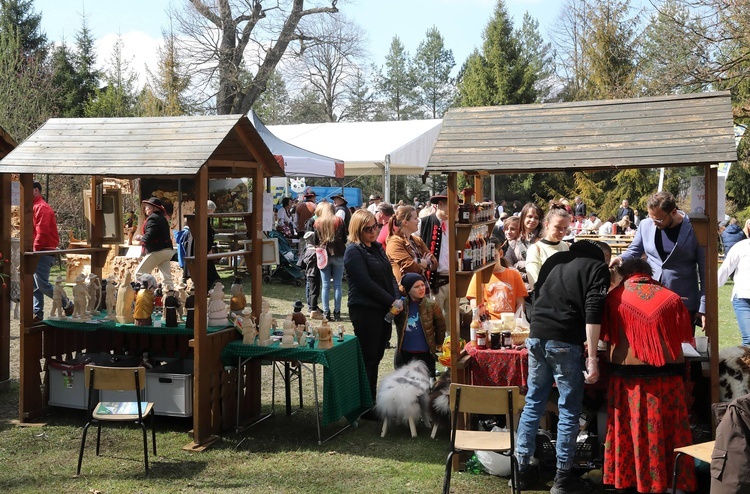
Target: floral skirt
pixel 647 418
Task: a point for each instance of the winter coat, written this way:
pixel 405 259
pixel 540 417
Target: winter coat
pixel 156 233
pixel 730 460
pixel 433 324
pixel 370 277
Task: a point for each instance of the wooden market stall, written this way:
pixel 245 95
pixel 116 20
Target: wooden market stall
pixel 7 143
pixel 665 131
pixel 190 148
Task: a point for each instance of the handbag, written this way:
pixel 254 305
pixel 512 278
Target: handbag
pixel 321 256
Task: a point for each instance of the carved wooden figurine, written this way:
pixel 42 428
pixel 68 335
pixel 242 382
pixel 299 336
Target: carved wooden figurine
pixel 170 308
pixel 217 309
pixel 264 324
pixel 58 293
pixel 181 295
pixel 297 316
pixel 110 299
pixel 144 302
pixel 238 301
pixel 125 298
pixel 95 294
pixel 190 308
pixel 325 336
pixel 80 297
pixel 249 331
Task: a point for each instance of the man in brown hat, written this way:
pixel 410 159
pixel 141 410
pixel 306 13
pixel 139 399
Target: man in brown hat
pixel 341 206
pixel 156 241
pixel 433 229
pixel 374 202
pixel 305 210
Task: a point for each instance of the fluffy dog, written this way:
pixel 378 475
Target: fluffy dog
pixel 403 396
pixel 734 372
pixel 440 403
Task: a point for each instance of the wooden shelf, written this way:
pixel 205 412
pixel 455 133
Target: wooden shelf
pixel 463 230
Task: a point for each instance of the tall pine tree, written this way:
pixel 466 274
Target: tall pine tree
pixel 433 64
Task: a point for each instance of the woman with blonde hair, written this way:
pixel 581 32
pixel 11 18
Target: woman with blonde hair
pixel 407 252
pixel 372 292
pixel 556 226
pixel 330 233
pixel 529 231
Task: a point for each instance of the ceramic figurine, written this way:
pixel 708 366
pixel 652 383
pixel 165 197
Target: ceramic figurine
pixel 325 336
pixel 159 301
pixel 181 294
pixel 125 298
pixel 190 308
pixel 144 302
pixel 299 332
pixel 94 288
pixel 217 309
pixel 171 303
pixel 110 298
pixel 58 292
pixel 297 316
pixel 310 339
pixel 80 298
pixel 264 325
pixel 238 301
pixel 287 338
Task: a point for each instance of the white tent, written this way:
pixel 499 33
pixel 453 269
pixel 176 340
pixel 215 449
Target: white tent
pixel 369 148
pixel 296 160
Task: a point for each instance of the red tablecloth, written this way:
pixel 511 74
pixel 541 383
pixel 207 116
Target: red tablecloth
pixel 504 367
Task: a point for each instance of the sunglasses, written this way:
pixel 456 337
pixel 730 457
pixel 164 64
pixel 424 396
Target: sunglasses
pixel 370 229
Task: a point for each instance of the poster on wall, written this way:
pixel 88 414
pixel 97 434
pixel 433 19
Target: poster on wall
pixel 698 196
pixel 230 195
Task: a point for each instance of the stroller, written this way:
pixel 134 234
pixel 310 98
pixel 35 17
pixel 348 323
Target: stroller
pixel 286 271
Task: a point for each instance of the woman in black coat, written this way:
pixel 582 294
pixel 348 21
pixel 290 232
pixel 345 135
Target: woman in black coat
pixel 372 291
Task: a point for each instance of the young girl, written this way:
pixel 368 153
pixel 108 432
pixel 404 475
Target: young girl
pixel 505 291
pixel 556 226
pixel 420 327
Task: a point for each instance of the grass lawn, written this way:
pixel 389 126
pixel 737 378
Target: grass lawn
pixel 280 455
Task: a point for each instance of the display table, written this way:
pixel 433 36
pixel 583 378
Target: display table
pixel 346 391
pixel 503 367
pixel 98 322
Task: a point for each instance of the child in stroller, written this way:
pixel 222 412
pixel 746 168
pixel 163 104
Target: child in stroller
pixel 287 270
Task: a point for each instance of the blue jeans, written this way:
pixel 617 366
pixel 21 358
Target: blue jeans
pixel 335 270
pixel 742 311
pixel 42 285
pixel 551 362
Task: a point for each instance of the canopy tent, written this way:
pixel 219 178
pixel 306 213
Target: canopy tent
pixel 367 148
pixel 297 162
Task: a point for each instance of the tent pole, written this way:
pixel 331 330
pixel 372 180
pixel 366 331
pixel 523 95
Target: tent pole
pixel 387 179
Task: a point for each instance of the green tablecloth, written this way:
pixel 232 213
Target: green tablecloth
pixel 346 391
pixel 98 322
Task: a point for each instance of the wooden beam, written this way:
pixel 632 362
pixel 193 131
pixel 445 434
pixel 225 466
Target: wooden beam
pixel 5 269
pixel 712 281
pixel 202 385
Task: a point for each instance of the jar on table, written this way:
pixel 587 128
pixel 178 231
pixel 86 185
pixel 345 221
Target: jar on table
pixel 507 339
pixel 482 339
pixel 495 339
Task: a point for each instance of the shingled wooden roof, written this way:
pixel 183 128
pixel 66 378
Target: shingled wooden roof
pixel 135 147
pixel 679 130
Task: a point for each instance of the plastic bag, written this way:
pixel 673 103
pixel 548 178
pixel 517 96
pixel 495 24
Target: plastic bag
pixel 521 321
pixel 495 463
pixel 445 358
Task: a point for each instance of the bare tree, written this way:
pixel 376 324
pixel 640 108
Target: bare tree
pixel 330 61
pixel 237 44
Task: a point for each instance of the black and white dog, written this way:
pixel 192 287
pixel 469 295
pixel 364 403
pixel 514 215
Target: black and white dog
pixel 403 396
pixel 440 403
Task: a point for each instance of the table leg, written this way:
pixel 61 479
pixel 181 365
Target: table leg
pixel 287 388
pixel 317 402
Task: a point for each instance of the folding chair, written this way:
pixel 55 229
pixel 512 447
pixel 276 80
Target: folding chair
pixel 117 379
pixel 487 400
pixel 701 451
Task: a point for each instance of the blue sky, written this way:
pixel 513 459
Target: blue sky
pixel 140 22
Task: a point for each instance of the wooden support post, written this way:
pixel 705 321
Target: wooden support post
pixel 711 280
pixel 198 272
pixel 5 269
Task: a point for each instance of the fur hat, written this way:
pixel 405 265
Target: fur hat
pixel 409 279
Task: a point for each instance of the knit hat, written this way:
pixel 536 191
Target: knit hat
pixel 409 279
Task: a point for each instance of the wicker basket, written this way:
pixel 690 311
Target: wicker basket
pixel 519 337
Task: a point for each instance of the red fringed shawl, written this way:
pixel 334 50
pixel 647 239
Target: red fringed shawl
pixel 647 313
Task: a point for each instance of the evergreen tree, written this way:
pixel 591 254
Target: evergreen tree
pixel 433 64
pixel 166 92
pixel 19 16
pixel 501 74
pixel 118 98
pixel 272 106
pixel 541 67
pixel 308 107
pixel 65 80
pixel 396 84
pixel 84 61
pixel 362 103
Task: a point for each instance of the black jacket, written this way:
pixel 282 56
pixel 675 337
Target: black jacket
pixel 156 233
pixel 569 294
pixel 370 277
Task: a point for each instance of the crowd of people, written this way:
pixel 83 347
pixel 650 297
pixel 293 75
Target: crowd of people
pixel 644 303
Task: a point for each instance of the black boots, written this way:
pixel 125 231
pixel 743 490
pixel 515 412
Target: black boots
pixel 567 482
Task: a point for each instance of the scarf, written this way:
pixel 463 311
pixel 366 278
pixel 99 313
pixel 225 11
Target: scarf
pixel 653 319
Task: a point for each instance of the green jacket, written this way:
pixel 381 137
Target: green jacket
pixel 433 324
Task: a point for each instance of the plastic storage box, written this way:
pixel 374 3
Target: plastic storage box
pixel 170 388
pixel 67 382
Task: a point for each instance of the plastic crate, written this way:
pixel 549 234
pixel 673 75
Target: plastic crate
pixel 170 388
pixel 67 382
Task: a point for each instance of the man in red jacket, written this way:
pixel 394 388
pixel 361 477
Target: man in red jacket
pixel 45 238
